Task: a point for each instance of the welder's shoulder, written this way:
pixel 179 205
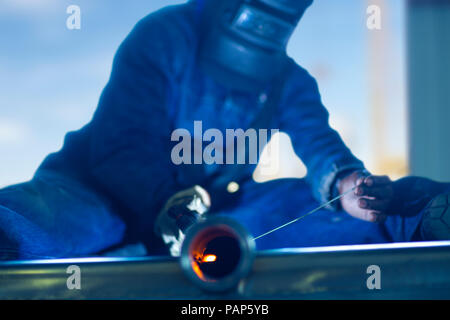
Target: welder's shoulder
pixel 168 34
pixel 174 23
pixel 300 80
pixel 301 95
pixel 301 87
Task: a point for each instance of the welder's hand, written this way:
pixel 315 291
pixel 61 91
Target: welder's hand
pixel 372 198
pixel 181 211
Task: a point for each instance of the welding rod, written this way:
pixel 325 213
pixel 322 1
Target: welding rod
pixel 305 215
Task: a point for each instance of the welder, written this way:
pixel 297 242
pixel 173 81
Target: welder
pixel 223 63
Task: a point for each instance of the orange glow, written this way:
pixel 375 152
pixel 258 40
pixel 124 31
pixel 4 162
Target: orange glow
pixel 197 270
pixel 209 258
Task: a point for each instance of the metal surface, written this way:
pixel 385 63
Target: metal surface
pixel 408 271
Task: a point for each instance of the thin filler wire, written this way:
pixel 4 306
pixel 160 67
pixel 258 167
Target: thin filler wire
pixel 305 215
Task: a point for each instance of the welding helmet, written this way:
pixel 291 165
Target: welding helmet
pixel 244 42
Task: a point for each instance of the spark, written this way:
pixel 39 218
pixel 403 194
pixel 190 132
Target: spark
pixel 209 258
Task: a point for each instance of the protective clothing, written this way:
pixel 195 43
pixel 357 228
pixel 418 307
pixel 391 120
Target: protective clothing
pixel 436 219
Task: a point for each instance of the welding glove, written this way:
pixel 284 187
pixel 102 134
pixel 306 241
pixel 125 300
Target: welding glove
pixel 181 211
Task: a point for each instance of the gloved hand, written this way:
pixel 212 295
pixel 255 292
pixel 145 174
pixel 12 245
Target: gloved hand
pixel 180 212
pixel 371 200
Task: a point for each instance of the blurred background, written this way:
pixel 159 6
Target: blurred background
pixel 51 77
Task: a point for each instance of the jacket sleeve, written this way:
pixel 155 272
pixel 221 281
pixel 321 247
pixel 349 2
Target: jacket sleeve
pixel 320 147
pixel 129 153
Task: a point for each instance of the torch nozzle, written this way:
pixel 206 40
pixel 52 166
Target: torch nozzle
pixel 217 253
